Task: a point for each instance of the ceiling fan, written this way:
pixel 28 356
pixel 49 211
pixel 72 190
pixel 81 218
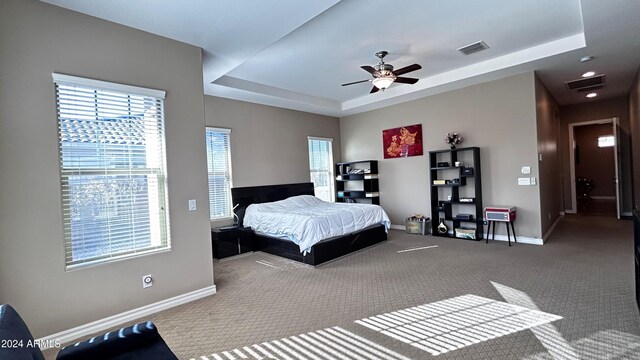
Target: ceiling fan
pixel 384 75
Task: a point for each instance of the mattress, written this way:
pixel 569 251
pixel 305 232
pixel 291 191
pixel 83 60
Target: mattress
pixel 306 220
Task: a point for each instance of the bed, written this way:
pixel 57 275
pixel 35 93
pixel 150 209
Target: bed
pixel 320 252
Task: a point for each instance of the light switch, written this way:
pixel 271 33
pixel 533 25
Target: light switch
pixel 192 205
pixel 526 170
pixel 533 180
pixel 524 181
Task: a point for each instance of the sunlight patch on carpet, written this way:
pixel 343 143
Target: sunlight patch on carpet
pixel 452 324
pixel 330 343
pixel 418 248
pixel 603 345
pixel 279 263
pixel 548 335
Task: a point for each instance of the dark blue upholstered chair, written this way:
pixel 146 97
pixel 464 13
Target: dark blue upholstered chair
pixel 140 341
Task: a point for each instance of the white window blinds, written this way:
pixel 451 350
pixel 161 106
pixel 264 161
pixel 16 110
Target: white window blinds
pixel 219 169
pixel 112 168
pixel 321 167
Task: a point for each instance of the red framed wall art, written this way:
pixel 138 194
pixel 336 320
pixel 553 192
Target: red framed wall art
pixel 402 142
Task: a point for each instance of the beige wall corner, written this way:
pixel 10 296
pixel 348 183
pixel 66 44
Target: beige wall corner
pixel 269 145
pixel 497 116
pixel 37 39
pixel 550 182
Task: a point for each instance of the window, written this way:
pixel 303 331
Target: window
pixel 219 169
pixel 606 141
pixel 112 170
pixel 321 167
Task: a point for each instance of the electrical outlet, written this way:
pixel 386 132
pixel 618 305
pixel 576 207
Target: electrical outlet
pixel 526 170
pixel 524 181
pixel 533 180
pixel 147 281
pixel 192 205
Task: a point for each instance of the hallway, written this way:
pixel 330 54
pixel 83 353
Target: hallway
pixel 597 207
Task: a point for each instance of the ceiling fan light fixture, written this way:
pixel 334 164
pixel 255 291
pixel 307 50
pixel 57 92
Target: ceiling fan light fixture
pixel 384 74
pixel 383 82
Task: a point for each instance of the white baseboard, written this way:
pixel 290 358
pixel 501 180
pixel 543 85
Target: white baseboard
pixel 521 239
pixel 627 213
pixel 553 227
pixel 603 197
pixel 561 213
pixel 570 211
pixel 69 335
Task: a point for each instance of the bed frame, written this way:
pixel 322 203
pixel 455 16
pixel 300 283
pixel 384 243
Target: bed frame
pixel 321 252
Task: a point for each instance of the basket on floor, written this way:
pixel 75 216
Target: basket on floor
pixel 418 226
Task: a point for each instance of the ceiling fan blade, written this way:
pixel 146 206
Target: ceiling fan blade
pixel 406 80
pixel 356 82
pixel 373 90
pixel 407 69
pixel 370 70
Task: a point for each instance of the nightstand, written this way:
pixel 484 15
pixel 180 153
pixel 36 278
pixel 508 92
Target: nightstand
pixel 230 240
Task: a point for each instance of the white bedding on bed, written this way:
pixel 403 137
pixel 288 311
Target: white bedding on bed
pixel 306 220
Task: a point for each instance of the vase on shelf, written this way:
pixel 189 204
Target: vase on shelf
pixel 452 139
pixel 442 228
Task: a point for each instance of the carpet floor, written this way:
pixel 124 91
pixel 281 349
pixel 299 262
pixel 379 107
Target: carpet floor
pixel 424 297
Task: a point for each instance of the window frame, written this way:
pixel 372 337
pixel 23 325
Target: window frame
pixel 229 214
pixel 331 169
pixel 154 172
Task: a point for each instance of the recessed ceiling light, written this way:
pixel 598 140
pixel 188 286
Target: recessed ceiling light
pixel 591 95
pixel 586 58
pixel 588 74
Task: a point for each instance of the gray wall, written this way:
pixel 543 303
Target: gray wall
pixel 597 110
pixel 37 39
pixel 498 116
pixel 269 144
pixel 548 126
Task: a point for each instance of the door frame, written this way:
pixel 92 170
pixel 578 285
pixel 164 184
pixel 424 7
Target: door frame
pixel 572 161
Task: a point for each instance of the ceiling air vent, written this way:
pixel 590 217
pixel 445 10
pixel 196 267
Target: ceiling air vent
pixel 473 48
pixel 590 88
pixel 579 84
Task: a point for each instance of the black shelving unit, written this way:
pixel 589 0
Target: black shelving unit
pixel 460 194
pixel 357 181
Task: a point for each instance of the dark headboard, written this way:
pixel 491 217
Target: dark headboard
pixel 245 196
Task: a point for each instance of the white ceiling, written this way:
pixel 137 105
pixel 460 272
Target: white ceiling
pixel 295 54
